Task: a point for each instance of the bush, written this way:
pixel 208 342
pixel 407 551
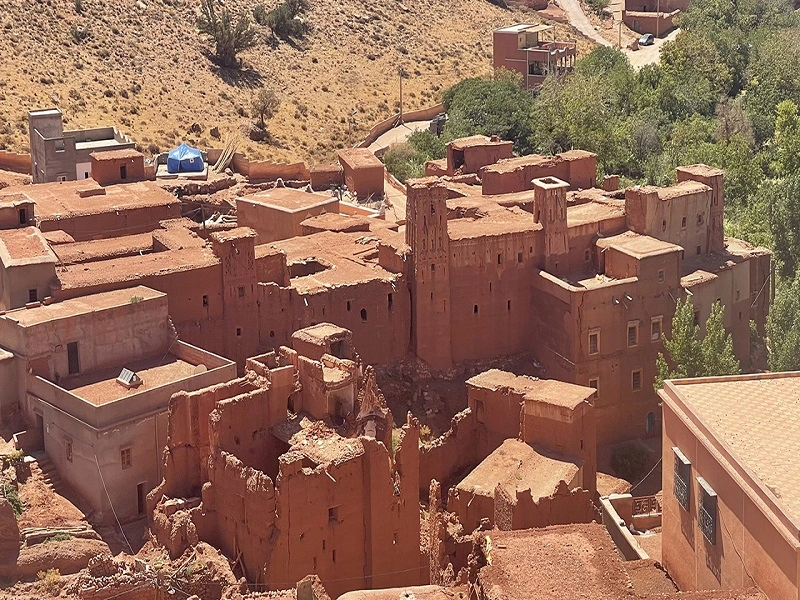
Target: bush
pixel 12 459
pixel 10 494
pixel 229 38
pixel 59 537
pixel 284 19
pixel 79 7
pixel 260 14
pixel 51 579
pixel 265 104
pixel 407 160
pixel 628 461
pixel 598 6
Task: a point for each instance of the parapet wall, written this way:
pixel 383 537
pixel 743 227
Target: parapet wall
pixel 18 163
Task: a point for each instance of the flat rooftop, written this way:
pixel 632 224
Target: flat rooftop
pixel 345 258
pixel 481 216
pixel 24 246
pixel 757 417
pixel 476 141
pixel 102 143
pixel 637 245
pixel 566 562
pixel 63 199
pixel 359 158
pixel 14 200
pixel 516 466
pixel 134 268
pixel 548 391
pixel 523 27
pixel 289 199
pixel 595 210
pixel 119 154
pixel 101 387
pixel 700 269
pixel 104 249
pixel 29 317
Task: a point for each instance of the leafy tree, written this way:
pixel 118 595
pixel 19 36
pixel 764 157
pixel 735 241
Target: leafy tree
pixel 690 356
pixel 407 160
pixel 782 200
pixel 490 106
pixel 284 19
pixel 783 327
pixel 265 105
pixel 787 139
pixel 229 38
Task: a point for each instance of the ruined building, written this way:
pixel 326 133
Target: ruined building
pixel 291 470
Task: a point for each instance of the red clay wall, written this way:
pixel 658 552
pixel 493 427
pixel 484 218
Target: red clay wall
pixel 452 455
pixel 18 163
pixel 126 221
pixel 108 171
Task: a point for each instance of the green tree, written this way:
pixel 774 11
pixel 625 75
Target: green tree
pixel 782 200
pixel 783 327
pixel 407 160
pixel 787 139
pixel 687 355
pixel 265 105
pixel 229 38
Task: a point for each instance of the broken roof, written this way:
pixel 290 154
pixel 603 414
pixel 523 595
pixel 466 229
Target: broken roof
pixel 700 269
pixel 24 246
pixel 515 467
pixel 533 389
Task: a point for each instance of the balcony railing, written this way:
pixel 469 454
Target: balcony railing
pixel 681 490
pixel 646 505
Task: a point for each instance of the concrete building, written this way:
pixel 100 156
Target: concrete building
pixel 363 172
pixel 58 155
pixel 524 48
pixel 290 470
pixel 102 426
pixel 731 505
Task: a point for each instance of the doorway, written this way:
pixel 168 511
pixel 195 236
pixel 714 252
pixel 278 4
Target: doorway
pixel 39 432
pixel 123 172
pixel 141 498
pixel 73 359
pixel 650 423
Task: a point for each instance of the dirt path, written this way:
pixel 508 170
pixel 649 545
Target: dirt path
pixel 398 134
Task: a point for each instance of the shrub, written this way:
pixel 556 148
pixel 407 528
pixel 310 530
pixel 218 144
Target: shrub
pixel 51 579
pixel 265 104
pixel 229 39
pixel 79 34
pixel 598 6
pixel 59 537
pixel 10 494
pixel 79 7
pixel 12 459
pixel 260 14
pixel 284 19
pixel 136 299
pixel 628 461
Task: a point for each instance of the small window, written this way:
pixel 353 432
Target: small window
pixel 519 257
pixel 125 458
pixel 86 174
pixel 663 225
pixel 238 332
pixel 480 411
pixel 595 383
pixel 707 510
pixel 68 449
pixel 737 295
pixel 636 380
pixel 433 267
pixel 389 301
pixel 633 334
pixel 333 555
pixel 241 291
pixel 499 259
pixel 660 275
pixel 699 250
pixel 23 216
pixel 683 223
pixel 682 470
pixel 594 342
pixel 123 172
pixel 73 358
pixel 508 306
pixel 475 309
pixel 363 314
pixel 205 301
pixel 333 514
pixel 33 295
pixel 586 255
pixel 656 328
pixel 700 219
pixel 348 306
pixel 697 318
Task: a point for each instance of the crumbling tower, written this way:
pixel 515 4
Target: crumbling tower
pixel 429 276
pixel 550 209
pixel 713 178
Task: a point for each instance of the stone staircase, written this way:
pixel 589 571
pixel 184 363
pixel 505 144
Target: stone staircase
pixel 44 467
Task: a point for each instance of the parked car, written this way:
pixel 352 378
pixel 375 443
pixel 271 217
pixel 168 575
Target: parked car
pixel 647 39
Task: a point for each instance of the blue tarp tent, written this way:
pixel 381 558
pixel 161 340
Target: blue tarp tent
pixel 184 158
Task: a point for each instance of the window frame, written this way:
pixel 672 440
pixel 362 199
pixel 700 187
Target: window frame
pixel 632 326
pixel 126 457
pixel 594 332
pixel 633 379
pixel 682 475
pixel 596 387
pixel 660 320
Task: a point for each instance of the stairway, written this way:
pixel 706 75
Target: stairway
pixel 45 468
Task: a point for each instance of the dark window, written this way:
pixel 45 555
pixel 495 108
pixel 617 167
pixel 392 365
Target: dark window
pixel 636 380
pixel 205 301
pixel 433 267
pixel 475 310
pixel 633 334
pixel 700 219
pixel 594 342
pixel 238 332
pixel 348 306
pixel 509 306
pixel 125 458
pixel 660 275
pixel 33 295
pixel 72 358
pixel 123 172
pixel 333 514
pixel 595 383
pixel 699 248
pixel 271 334
pixel 241 291
pixel 23 216
pixel 363 314
pixel 499 259
pixel 333 555
pixel 697 318
pixel 389 301
pixel 707 511
pixel 140 498
pixel 586 255
pixel 663 225
pixel 682 470
pixel 683 223
pixel 519 257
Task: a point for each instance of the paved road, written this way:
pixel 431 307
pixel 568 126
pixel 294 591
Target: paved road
pixel 638 58
pixel 398 134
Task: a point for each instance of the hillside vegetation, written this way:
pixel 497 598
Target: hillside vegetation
pixel 143 66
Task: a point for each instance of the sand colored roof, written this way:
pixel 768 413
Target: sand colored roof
pixel 477 140
pixel 29 317
pixel 359 158
pixel 482 216
pixel 24 246
pixel 509 165
pixel 701 170
pixel 595 211
pixel 316 334
pixel 14 200
pixel 119 154
pixel 103 249
pixel 337 222
pixel 415 592
pixel 289 199
pixel 566 562
pixel 101 387
pixel 576 154
pixel 63 199
pixel 548 391
pixel 353 258
pixel 683 188
pixel 757 417
pixel 637 245
pixel 133 268
pixel 516 467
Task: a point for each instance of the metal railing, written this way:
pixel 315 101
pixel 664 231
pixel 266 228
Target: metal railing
pixel 708 524
pixel 646 505
pixel 681 490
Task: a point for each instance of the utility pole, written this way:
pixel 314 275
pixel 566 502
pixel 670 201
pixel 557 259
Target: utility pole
pixel 620 34
pixel 401 73
pixel 658 15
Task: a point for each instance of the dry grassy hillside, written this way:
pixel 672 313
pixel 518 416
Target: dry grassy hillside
pixel 143 68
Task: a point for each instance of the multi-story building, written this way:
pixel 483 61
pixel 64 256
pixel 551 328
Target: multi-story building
pixel 731 502
pixel 524 49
